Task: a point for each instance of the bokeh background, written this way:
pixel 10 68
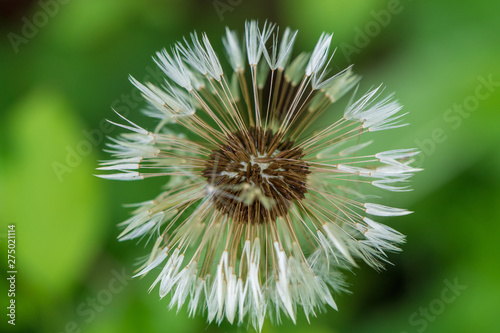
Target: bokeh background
pixel 64 64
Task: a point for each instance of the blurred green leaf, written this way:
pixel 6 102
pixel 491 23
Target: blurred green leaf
pixel 58 216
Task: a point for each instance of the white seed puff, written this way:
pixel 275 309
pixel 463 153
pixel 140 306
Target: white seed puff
pixel 263 208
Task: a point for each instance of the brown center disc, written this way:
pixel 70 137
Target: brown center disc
pixel 255 178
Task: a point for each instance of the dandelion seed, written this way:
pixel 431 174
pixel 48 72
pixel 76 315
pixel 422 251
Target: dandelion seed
pixel 261 213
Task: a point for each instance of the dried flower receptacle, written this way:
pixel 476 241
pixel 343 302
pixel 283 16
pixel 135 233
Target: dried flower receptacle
pixel 257 161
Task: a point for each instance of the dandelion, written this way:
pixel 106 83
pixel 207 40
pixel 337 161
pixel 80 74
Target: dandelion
pixel 264 207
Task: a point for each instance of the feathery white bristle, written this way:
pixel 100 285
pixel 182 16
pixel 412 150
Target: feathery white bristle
pixel 234 50
pixel 174 68
pixel 381 210
pixel 319 55
pixel 255 38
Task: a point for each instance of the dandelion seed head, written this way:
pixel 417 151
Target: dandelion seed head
pixel 264 206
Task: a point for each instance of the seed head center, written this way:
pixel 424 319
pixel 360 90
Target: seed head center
pixel 255 177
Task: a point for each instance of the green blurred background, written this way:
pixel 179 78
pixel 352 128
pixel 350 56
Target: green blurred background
pixel 61 76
